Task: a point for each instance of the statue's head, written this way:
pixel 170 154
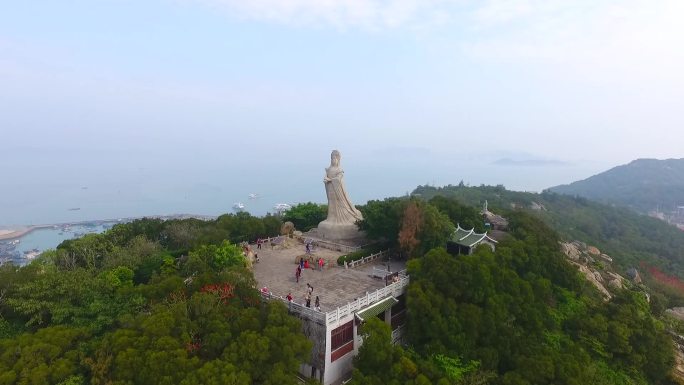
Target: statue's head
pixel 335 158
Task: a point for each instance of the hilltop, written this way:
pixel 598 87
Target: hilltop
pixel 176 301
pixel 631 239
pixel 643 185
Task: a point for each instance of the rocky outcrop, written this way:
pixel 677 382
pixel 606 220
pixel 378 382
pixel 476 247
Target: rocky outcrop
pixel 633 274
pixel 287 228
pixel 676 312
pixel 679 364
pixel 615 281
pixel 571 251
pixel 536 206
pixel 591 277
pixel 600 273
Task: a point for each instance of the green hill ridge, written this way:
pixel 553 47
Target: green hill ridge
pixel 642 185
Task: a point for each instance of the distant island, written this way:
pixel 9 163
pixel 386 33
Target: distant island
pixel 528 162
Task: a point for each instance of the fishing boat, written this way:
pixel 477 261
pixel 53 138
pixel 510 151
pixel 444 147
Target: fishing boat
pixel 31 254
pixel 280 207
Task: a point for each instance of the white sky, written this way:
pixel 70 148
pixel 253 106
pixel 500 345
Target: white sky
pixel 271 81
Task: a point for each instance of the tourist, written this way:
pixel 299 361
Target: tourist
pixel 308 300
pixel 289 297
pixel 301 263
pixel 259 244
pixel 317 305
pixel 320 264
pixel 308 248
pixel 256 257
pixel 309 288
pixel 306 264
pixel 298 273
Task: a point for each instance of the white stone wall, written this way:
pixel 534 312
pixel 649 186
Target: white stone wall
pixel 337 371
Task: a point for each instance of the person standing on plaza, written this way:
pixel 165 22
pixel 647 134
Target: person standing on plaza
pixel 317 304
pixel 298 273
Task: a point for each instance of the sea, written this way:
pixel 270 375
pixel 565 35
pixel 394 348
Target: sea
pixel 112 192
pixel 23 250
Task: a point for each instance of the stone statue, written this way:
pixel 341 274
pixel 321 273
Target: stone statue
pixel 342 215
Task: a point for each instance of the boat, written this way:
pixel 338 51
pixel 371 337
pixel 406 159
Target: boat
pixel 238 206
pixel 74 209
pixel 254 196
pixel 280 207
pixel 31 254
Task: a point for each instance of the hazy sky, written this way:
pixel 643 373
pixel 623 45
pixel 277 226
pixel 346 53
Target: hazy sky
pixel 280 82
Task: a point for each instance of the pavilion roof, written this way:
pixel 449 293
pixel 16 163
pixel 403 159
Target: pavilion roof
pixel 376 308
pixel 469 238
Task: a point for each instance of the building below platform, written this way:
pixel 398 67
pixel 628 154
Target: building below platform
pixel 347 297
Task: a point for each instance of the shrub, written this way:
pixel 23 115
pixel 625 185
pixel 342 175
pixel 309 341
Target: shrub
pixel 360 254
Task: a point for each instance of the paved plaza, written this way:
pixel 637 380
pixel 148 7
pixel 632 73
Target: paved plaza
pixel 335 285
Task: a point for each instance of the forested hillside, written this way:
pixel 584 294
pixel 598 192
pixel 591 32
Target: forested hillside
pixel 631 239
pixel 520 315
pixel 171 302
pixel 643 185
pixel 124 308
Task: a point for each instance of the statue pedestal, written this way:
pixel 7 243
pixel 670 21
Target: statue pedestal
pixel 332 231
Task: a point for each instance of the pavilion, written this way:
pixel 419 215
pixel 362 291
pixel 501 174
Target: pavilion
pixel 464 241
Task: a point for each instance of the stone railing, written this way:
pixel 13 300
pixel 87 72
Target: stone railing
pixel 367 259
pixel 326 244
pixel 397 334
pixel 298 309
pixel 330 317
pixel 330 245
pixel 271 239
pixel 394 289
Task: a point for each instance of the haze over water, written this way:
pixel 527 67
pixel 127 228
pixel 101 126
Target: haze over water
pixel 189 106
pixel 101 189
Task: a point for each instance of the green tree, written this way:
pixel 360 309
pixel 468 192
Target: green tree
pixel 222 256
pixel 306 216
pixel 89 251
pixel 382 219
pixel 467 216
pixel 50 356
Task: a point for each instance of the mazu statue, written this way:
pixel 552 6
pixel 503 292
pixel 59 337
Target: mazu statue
pixel 342 215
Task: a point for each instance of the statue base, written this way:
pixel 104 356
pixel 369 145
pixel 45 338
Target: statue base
pixel 336 232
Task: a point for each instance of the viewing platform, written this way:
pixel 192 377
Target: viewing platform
pixel 336 286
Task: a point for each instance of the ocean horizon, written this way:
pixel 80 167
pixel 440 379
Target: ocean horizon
pixel 84 194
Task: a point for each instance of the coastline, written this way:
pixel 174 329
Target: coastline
pixel 14 233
